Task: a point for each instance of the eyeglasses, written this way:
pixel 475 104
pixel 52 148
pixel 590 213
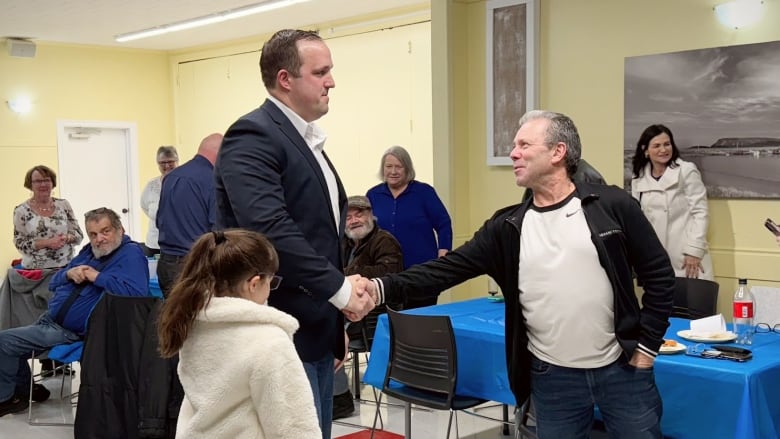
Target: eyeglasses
pixel 167 162
pixel 42 181
pixel 763 328
pixel 275 282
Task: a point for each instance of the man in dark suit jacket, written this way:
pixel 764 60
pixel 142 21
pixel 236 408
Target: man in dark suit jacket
pixel 273 177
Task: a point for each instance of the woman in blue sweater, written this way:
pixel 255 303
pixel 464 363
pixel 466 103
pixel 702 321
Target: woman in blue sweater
pixel 411 211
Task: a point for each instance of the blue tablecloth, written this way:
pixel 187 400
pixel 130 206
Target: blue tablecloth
pixel 703 398
pixel 154 288
pixel 479 333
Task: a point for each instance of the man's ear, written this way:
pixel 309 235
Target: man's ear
pixel 559 152
pixel 283 79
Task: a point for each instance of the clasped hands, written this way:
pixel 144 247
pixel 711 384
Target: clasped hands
pixel 362 300
pixel 81 273
pixel 55 242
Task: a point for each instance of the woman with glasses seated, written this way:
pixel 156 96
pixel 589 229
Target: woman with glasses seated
pixel 237 363
pixel 46 231
pixel 167 161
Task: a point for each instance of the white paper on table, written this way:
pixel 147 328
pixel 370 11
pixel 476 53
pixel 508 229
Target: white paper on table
pixel 709 325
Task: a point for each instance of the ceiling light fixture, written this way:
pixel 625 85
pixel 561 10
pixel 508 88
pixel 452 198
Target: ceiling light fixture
pixel 216 17
pixel 739 14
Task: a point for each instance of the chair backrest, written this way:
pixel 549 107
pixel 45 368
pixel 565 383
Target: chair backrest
pixel 369 324
pixel 695 298
pixel 422 353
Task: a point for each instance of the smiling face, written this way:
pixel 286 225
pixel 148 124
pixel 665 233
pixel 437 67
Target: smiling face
pixel 531 157
pixel 308 90
pixel 166 164
pixel 360 222
pixel 103 237
pixel 394 172
pixel 659 151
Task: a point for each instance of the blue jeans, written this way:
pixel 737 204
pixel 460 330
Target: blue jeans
pixel 16 346
pixel 320 375
pixel 565 398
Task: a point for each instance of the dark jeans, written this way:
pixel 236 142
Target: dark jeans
pixel 168 269
pixel 564 399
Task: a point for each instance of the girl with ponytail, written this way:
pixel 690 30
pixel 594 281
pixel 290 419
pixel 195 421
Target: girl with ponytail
pixel 241 375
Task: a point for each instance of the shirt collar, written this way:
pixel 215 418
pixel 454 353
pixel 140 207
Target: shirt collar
pixel 310 132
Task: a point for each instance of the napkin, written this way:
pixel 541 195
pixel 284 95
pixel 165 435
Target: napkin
pixel 709 325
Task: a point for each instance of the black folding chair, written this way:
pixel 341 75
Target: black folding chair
pixel 423 367
pixel 694 298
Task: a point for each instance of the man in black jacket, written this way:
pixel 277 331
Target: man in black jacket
pixel 577 339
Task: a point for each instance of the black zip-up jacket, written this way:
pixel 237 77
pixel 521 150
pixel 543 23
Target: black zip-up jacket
pixel 625 243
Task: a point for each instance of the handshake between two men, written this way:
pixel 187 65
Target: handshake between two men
pixel 363 299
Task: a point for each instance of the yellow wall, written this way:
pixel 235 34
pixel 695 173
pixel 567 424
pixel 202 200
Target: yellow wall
pixel 382 95
pixel 77 83
pixel 582 50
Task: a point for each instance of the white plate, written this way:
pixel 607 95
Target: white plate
pixel 676 349
pixel 707 337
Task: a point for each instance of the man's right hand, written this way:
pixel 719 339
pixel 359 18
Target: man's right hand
pixel 369 287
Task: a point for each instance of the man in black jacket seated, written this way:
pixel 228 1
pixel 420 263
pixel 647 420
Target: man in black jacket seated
pixel 575 333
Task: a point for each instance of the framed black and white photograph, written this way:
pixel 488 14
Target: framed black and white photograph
pixel 723 106
pixel 512 70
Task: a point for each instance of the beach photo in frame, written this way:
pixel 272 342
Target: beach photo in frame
pixel 512 71
pixel 723 106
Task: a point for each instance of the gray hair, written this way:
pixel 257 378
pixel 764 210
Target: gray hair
pixel 104 212
pixel 167 151
pixel 403 156
pixel 560 130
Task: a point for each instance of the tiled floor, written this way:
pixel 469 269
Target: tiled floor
pixel 427 424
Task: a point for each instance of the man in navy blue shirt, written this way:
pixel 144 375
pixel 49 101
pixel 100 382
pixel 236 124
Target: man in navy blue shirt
pixel 112 262
pixel 186 209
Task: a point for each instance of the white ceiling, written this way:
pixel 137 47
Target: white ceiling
pixel 96 22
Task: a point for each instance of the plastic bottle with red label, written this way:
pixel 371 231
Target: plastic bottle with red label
pixel 743 313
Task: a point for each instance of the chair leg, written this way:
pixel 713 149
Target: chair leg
pixel 381 422
pixel 356 373
pixel 32 381
pixel 449 425
pixel 408 420
pixel 505 418
pixel 376 415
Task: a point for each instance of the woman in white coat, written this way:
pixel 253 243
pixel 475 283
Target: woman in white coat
pixel 674 199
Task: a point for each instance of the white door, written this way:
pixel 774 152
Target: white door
pixel 97 168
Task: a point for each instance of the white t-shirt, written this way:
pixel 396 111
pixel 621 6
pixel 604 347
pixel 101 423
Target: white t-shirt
pixel 565 294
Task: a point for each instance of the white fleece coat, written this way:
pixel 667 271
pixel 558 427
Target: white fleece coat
pixel 242 377
pixel 676 206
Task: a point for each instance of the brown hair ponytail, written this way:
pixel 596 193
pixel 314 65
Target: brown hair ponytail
pixel 215 266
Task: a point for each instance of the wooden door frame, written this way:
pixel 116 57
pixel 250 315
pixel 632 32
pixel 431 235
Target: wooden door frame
pixel 131 140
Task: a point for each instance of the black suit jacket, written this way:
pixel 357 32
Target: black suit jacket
pixel 268 180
